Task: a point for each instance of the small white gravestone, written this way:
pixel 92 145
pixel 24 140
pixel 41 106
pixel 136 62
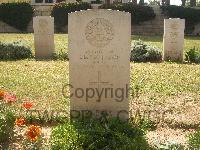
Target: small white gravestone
pixel 125 1
pixel 99 63
pixel 43 36
pixel 173 40
pixel 42 1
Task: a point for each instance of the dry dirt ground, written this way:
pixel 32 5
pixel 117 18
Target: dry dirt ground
pixel 176 117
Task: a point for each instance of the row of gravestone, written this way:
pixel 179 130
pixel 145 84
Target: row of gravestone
pixel 99 58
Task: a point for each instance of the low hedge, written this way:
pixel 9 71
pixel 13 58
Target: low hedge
pixel 60 12
pixel 142 52
pixel 191 15
pixel 139 13
pixel 17 15
pixel 94 135
pixel 14 51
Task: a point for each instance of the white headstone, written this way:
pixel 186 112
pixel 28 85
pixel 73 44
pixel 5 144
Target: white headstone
pixel 125 1
pixel 42 1
pixel 173 40
pixel 99 63
pixel 43 36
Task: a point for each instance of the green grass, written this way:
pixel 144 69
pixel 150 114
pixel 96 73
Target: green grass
pixel 62 43
pixel 161 84
pixel 39 81
pixel 194 140
pixel 61 40
pixel 42 81
pixel 190 41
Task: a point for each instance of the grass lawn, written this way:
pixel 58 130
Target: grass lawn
pixel 190 41
pixel 61 43
pixel 163 87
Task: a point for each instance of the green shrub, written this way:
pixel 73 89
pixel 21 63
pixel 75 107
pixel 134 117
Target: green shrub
pixel 194 140
pixel 191 15
pixel 14 51
pixel 17 15
pixel 142 52
pixel 193 55
pixel 61 56
pixel 95 135
pixel 96 2
pixel 60 12
pixel 7 120
pixel 139 13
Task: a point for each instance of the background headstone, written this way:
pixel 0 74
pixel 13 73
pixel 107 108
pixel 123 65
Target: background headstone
pixel 173 40
pixel 99 60
pixel 43 36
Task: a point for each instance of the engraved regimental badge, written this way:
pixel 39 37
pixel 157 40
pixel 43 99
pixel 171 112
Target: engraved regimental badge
pixel 99 32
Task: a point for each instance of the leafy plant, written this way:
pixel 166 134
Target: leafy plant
pixel 7 119
pixel 94 134
pixel 193 55
pixel 194 140
pixel 7 116
pixel 16 14
pixel 143 122
pixel 141 52
pixel 139 13
pixel 96 2
pixel 61 56
pixel 14 51
pixel 6 126
pixel 60 12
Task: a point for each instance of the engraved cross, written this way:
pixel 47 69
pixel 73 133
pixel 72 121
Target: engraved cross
pixel 99 81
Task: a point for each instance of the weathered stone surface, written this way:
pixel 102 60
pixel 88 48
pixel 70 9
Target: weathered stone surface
pixel 99 44
pixel 173 39
pixel 197 29
pixel 43 36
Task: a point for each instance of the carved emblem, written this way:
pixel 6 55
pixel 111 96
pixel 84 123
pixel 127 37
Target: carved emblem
pixel 174 25
pixel 99 32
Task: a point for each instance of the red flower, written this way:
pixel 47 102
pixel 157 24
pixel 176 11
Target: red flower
pixel 10 98
pixel 2 94
pixel 27 105
pixel 20 122
pixel 33 133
